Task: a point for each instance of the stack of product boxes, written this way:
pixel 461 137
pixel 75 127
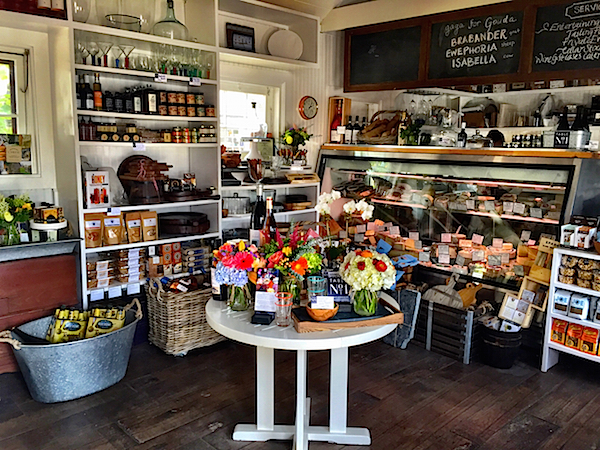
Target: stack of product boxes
pixel 574 335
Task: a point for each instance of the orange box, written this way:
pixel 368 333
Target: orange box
pixel 574 334
pixel 167 258
pixel 176 246
pixel 559 331
pixel 589 341
pixel 176 257
pixel 166 248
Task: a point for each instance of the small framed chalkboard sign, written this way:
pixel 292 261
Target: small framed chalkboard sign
pixel 476 46
pixel 240 37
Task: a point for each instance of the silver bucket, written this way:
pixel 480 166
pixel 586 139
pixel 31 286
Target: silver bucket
pixel 61 372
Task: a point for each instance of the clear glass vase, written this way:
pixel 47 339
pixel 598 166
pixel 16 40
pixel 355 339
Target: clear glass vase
pixel 365 302
pixel 169 26
pixel 293 285
pixel 81 10
pixel 239 297
pixel 11 235
pixel 132 15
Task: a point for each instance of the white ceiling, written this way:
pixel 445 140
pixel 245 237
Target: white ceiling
pixel 315 7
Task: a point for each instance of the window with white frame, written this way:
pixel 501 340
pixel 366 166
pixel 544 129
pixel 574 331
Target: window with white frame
pixel 12 98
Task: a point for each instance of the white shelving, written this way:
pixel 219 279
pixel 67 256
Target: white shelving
pixel 239 217
pixel 252 187
pixel 111 248
pixel 155 206
pixel 115 115
pixel 130 145
pixel 261 60
pixel 551 350
pixel 138 73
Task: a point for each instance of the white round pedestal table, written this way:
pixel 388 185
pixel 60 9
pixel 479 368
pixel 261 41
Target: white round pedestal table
pixel 267 338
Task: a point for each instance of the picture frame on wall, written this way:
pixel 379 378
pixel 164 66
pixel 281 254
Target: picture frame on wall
pixel 240 37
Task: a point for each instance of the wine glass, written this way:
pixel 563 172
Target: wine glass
pixel 162 58
pixel 143 63
pixel 126 51
pixel 83 51
pixel 104 49
pixel 93 50
pixel 116 51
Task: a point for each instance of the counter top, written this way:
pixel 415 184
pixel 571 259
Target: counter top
pixel 38 249
pixel 516 152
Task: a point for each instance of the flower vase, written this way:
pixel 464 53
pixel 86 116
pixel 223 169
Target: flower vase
pixel 12 235
pixel 365 302
pixel 239 297
pixel 292 285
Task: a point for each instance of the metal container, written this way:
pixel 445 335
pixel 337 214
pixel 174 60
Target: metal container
pixel 577 139
pixel 60 372
pixel 236 204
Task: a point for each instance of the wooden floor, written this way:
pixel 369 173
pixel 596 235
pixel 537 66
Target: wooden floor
pixel 410 399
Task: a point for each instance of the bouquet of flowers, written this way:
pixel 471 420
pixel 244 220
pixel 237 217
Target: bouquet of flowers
pixel 295 257
pixel 367 272
pixel 14 210
pixel 362 208
pixel 294 137
pixel 235 262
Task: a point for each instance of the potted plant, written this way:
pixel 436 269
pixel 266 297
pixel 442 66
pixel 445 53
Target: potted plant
pixel 15 212
pixel 291 140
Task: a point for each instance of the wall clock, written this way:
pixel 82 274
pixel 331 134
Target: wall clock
pixel 308 107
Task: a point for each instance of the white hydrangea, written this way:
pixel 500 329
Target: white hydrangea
pixel 350 207
pixel 325 200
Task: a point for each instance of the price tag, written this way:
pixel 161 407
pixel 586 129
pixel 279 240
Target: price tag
pixel 525 235
pixel 443 250
pixel 133 278
pixel 452 206
pixel 477 275
pixel 465 243
pixel 519 208
pixel 444 259
pixel 133 253
pixel 462 206
pixel 424 256
pixel 115 291
pixel 414 235
pixel 322 302
pixel 361 228
pixel 446 237
pixel 478 255
pixel 343 234
pixel 372 226
pixel 531 242
pixel 460 260
pixel 519 271
pixel 195 81
pixel 133 289
pixel 418 245
pixel 477 239
pixel 508 207
pixel 387 225
pixel 156 260
pixel 24 237
pixel 139 147
pixel 395 231
pixel 113 212
pixel 497 242
pixel 160 77
pixel 359 237
pixel 489 205
pixel 495 260
pixel 505 258
pixel 96 295
pixel 151 250
pixel 536 212
pixel 470 204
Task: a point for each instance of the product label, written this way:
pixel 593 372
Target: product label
pixel 152 103
pixel 216 288
pixel 98 99
pixel 134 223
pixel 508 207
pixel 137 104
pixel 93 224
pixel 150 222
pixel 112 222
pixel 470 204
pixel 348 135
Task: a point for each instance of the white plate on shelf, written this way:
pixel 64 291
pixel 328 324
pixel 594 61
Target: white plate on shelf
pixel 285 44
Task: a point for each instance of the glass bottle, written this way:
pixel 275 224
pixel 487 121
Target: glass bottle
pixel 258 215
pixel 269 228
pixel 170 27
pixel 580 123
pixel 335 123
pixel 462 136
pixel 563 124
pixel 98 104
pixel 349 131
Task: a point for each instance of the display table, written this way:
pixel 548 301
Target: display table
pixel 237 326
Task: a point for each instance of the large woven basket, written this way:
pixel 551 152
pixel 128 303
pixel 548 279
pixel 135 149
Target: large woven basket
pixel 178 320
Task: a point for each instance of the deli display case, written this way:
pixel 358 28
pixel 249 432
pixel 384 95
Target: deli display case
pixel 465 200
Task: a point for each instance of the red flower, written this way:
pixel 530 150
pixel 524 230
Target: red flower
pixel 227 260
pixel 275 259
pixel 300 266
pixel 243 260
pixel 360 265
pixel 347 265
pixel 380 266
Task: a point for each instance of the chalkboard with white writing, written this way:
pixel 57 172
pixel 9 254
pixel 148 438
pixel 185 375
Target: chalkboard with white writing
pixel 567 37
pixel 385 56
pixel 476 47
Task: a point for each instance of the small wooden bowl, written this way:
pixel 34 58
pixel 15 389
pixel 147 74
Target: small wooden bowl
pixel 321 315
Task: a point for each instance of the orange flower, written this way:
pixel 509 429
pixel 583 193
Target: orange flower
pixel 366 254
pixel 300 266
pixel 358 252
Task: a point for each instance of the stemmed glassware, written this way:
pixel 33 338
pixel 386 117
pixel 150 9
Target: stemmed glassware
pixel 82 51
pixel 93 50
pixel 126 50
pixel 104 49
pixel 116 51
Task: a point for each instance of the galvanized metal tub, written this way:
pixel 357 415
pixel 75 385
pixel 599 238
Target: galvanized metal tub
pixel 60 372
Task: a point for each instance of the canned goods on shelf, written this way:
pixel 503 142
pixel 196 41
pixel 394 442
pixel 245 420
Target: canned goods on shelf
pixel 210 111
pixel 181 98
pixel 182 111
pixel 172 110
pixel 191 111
pixel 200 99
pixel 190 99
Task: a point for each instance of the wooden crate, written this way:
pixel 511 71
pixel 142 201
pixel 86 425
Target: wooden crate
pixel 447 331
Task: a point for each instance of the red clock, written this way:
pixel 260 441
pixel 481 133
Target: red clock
pixel 308 107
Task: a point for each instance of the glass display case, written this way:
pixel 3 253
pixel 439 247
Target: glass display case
pixel 474 205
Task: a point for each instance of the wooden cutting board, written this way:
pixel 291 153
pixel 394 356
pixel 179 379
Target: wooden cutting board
pixel 310 326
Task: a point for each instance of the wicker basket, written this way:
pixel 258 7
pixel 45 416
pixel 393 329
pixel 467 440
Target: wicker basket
pixel 178 321
pixel 387 140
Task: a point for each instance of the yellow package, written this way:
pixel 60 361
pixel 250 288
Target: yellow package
pixel 68 326
pixel 109 320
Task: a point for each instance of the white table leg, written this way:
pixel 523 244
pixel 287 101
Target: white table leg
pixel 302 403
pixel 338 390
pixel 265 388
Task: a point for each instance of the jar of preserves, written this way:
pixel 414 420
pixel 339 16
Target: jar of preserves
pixel 191 111
pixel 172 97
pixel 181 110
pixel 200 99
pixel 163 110
pixel 210 111
pixel 181 98
pixel 190 99
pixel 173 110
pixel 201 111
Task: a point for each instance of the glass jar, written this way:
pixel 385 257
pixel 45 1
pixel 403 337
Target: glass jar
pixel 239 297
pixel 81 10
pixel 169 26
pixel 364 302
pixel 293 285
pixel 132 15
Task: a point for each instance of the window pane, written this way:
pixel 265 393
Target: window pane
pixel 6 126
pixel 6 103
pixel 238 117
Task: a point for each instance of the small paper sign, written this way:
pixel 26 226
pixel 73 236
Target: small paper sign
pixel 519 271
pixel 156 260
pixel 494 260
pixel 489 205
pixel 519 208
pixel 470 204
pixel 114 292
pixel 133 253
pixel 133 289
pixel 477 275
pixel 264 301
pixel 343 234
pixel 134 277
pixel 460 260
pixel 13 154
pixel 497 242
pixel 361 228
pixel 388 225
pixel 447 237
pixel 477 239
pixel 478 255
pixel 322 302
pixel 465 243
pixel 96 295
pixel 461 206
pixel 531 242
pixel 195 81
pixel 160 77
pixel 508 207
pixel 139 147
pixel 443 250
pixel 395 231
pixel 444 259
pixel 424 256
pixel 371 226
pixel 525 235
pixel 359 237
pixel 418 245
pixel 505 258
pixel 113 212
pixel 414 235
pixel 536 212
pixel 152 250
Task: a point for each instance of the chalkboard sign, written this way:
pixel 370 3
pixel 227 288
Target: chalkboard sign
pixel 567 37
pixel 385 56
pixel 476 47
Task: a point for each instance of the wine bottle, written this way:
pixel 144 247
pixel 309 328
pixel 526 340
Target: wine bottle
pixel 355 130
pixel 537 118
pixel 580 123
pixel 78 92
pixel 98 104
pixel 258 215
pixel 137 101
pixel 215 287
pixel 563 124
pixel 364 124
pixel 109 102
pixel 128 100
pixel 336 122
pixel 349 131
pixel 462 136
pixel 269 228
pixel 87 98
